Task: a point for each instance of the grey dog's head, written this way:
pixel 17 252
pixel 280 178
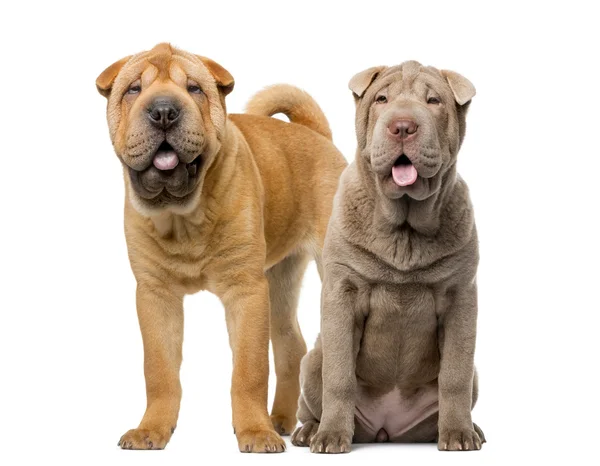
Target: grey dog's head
pixel 410 123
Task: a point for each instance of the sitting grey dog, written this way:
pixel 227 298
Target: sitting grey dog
pixel 394 360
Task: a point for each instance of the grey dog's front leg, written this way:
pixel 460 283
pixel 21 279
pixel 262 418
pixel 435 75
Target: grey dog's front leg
pixel 456 431
pixel 340 345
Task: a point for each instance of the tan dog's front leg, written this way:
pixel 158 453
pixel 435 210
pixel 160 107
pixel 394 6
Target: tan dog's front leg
pixel 160 313
pixel 340 335
pixel 246 302
pixel 456 430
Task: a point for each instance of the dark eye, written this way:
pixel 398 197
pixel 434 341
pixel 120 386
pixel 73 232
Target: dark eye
pixel 135 89
pixel 381 99
pixel 193 89
pixel 434 101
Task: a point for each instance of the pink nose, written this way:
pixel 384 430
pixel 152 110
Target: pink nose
pixel 402 129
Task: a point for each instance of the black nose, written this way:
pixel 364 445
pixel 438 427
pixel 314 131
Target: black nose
pixel 163 112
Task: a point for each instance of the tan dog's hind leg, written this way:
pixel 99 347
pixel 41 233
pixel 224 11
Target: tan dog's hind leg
pixel 160 313
pixel 285 280
pixel 246 301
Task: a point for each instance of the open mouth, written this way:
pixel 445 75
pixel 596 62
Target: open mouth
pixel 404 172
pixel 166 160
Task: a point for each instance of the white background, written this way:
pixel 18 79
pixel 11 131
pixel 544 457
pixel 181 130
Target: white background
pixel 71 379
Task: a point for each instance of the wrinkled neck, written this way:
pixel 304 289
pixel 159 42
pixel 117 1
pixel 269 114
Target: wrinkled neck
pixel 217 179
pixel 423 216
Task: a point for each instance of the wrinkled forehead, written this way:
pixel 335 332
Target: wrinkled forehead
pixel 413 78
pixel 164 63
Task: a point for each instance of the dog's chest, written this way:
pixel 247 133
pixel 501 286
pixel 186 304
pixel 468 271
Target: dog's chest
pixel 186 263
pixel 179 253
pixel 399 346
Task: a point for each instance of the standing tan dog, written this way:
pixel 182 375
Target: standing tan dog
pixel 394 360
pixel 236 205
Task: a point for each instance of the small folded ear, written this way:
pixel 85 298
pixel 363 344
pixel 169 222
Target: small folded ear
pixel 224 80
pixel 361 81
pixel 462 88
pixel 105 81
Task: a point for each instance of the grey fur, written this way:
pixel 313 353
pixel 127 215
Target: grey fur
pixel 399 299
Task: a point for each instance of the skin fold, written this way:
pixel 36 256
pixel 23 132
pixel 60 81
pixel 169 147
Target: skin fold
pixel 394 359
pixel 233 204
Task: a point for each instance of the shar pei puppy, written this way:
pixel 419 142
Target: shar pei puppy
pixel 394 359
pixel 234 204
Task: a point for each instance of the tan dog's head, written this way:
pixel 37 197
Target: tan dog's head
pixel 410 122
pixel 166 115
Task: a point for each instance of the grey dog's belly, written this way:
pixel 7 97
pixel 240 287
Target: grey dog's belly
pixel 398 361
pixel 389 416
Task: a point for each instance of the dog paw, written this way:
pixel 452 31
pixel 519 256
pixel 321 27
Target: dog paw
pixel 303 435
pixel 330 442
pixel 260 441
pixel 283 425
pixel 142 439
pixel 459 440
pixel 480 433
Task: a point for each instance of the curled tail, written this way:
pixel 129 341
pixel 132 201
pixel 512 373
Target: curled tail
pixel 296 104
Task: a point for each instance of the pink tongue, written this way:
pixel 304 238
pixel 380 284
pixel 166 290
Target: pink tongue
pixel 165 160
pixel 404 175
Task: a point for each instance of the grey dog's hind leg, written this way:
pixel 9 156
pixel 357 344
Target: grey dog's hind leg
pixel 310 402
